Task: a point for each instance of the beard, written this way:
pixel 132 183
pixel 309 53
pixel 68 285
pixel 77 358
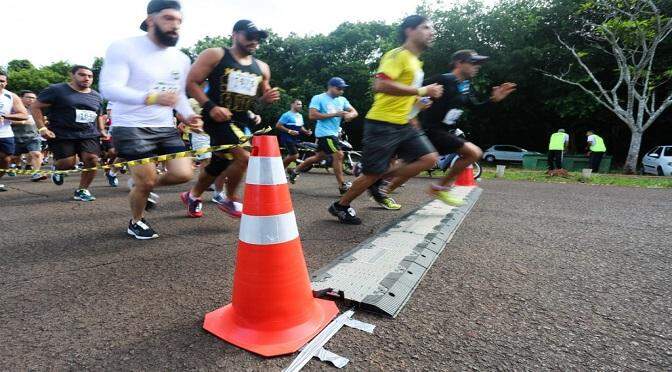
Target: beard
pixel 165 38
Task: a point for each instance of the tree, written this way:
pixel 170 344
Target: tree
pixel 19 64
pixel 630 31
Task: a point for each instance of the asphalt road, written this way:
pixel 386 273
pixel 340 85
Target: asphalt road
pixel 539 277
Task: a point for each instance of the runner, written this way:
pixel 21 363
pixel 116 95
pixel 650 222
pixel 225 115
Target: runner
pixel 386 130
pixel 237 81
pixel 108 152
pixel 329 108
pixel 75 126
pixel 11 108
pixel 145 77
pixel 441 118
pixel 290 125
pixel 27 140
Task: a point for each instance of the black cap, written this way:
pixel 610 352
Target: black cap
pixel 469 56
pixel 249 28
pixel 156 6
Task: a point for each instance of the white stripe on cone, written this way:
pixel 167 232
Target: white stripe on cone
pixel 265 230
pixel 266 171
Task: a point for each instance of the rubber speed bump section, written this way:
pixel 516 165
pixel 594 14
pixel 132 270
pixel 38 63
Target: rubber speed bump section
pixel 382 273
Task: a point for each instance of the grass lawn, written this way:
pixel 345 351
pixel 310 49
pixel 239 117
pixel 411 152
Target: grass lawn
pixel 518 174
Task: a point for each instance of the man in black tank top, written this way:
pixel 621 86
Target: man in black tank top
pixel 237 82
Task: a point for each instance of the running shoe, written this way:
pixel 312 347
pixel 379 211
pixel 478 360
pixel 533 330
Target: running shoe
pixel 38 177
pixel 57 178
pixel 2 188
pixel 346 215
pixel 113 180
pixel 228 206
pixel 345 186
pixel 84 195
pixel 380 197
pixel 141 230
pixel 194 206
pixel 10 172
pixel 446 195
pixel 293 176
pixel 357 169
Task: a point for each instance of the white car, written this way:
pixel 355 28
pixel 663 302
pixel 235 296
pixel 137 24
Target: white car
pixel 658 161
pixel 505 153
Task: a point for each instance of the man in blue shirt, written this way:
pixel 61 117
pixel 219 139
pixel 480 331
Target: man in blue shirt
pixel 329 109
pixel 290 126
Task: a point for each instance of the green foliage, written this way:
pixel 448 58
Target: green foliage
pixel 19 64
pixel 34 79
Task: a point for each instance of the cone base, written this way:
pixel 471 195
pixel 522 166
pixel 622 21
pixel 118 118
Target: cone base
pixel 221 323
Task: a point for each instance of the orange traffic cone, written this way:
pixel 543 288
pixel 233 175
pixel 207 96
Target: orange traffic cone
pixel 466 178
pixel 273 311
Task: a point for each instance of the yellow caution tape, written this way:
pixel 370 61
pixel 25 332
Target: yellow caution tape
pixel 154 159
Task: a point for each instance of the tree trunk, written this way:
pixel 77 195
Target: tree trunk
pixel 633 152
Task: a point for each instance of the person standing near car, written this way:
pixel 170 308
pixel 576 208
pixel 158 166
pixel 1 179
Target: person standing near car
pixel 556 146
pixel 329 109
pixel 596 150
pixel 290 125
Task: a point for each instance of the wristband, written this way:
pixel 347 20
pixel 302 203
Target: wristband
pixel 207 107
pixel 40 130
pixel 422 91
pixel 151 99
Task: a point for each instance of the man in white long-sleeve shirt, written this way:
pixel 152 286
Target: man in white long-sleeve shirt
pixel 145 77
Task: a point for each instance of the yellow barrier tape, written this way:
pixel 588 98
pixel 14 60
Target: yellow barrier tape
pixel 184 154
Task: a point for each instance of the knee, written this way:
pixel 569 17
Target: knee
pixel 146 185
pixel 338 155
pixel 90 160
pixel 429 160
pixel 472 152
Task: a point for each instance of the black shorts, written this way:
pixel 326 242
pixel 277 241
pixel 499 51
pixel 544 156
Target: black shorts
pixel 133 143
pixel 227 133
pixel 65 148
pixel 106 146
pixel 444 141
pixel 290 147
pixel 382 141
pixel 328 145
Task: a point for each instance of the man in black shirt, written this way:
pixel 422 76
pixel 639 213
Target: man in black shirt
pixel 440 120
pixel 75 126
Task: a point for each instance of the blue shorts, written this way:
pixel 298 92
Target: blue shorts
pixel 28 146
pixel 7 146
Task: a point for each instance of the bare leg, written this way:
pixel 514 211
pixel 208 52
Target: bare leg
pixel 36 159
pixel 289 160
pixel 235 172
pixel 403 172
pixel 319 156
pixel 358 187
pixel 337 164
pixel 144 180
pixel 469 154
pixel 178 171
pixel 90 160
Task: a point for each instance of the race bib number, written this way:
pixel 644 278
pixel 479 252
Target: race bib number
pixel 243 83
pixel 162 87
pixel 85 116
pixel 299 121
pixel 331 109
pixel 452 116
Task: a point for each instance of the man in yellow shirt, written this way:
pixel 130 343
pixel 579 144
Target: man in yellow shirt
pixel 390 128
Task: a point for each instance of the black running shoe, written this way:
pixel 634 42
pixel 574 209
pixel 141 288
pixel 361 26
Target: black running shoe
pixel 141 230
pixel 293 175
pixel 345 215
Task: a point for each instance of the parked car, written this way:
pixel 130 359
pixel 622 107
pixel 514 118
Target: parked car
pixel 506 153
pixel 658 161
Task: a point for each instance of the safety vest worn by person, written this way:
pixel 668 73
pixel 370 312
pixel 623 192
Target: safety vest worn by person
pixel 598 146
pixel 557 141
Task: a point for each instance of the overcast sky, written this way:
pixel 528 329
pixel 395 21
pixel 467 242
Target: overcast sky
pixel 46 31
